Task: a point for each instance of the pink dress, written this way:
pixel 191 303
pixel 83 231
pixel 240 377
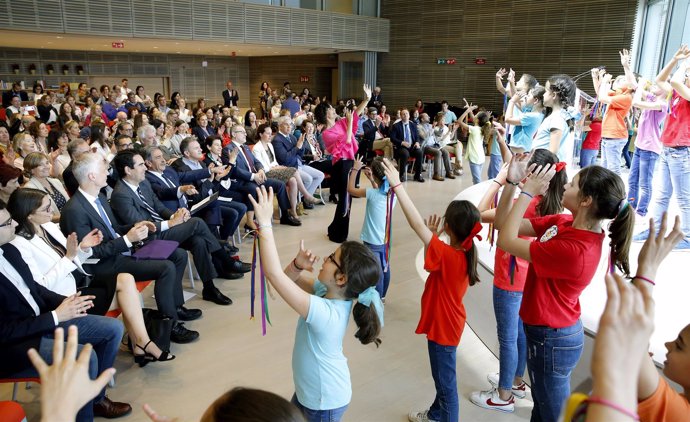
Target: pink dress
pixel 335 140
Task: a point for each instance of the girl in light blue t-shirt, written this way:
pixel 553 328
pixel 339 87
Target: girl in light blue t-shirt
pixel 527 121
pixel 376 215
pixel 319 368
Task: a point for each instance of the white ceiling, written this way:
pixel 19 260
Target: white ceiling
pixel 61 41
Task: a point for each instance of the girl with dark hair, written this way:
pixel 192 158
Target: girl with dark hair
pixel 475 144
pixel 142 97
pixel 556 126
pixel 510 274
pixel 173 100
pixel 320 372
pixel 66 114
pixel 452 269
pixel 57 141
pixel 98 140
pixel 563 259
pixel 527 122
pixel 339 138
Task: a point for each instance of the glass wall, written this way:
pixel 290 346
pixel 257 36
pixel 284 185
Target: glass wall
pixel 666 26
pixel 350 7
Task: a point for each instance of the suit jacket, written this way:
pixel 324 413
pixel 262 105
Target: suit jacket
pixel 167 194
pixel 7 97
pixel 20 328
pixel 79 216
pixel 230 97
pixel 199 133
pixel 241 171
pixel 129 208
pixel 398 133
pixel 370 130
pixel 287 153
pixel 375 101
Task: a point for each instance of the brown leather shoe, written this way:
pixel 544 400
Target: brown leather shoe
pixel 450 175
pixel 109 409
pixel 439 178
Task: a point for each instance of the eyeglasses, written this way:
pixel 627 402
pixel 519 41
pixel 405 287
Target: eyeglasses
pixel 10 221
pixel 331 257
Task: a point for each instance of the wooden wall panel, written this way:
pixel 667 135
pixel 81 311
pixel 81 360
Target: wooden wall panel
pixel 539 37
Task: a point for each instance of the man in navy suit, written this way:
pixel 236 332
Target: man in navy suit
pixel 29 314
pixel 289 152
pixel 406 143
pixel 230 96
pixel 249 174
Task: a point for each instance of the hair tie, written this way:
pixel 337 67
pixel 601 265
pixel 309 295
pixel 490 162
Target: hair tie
pixel 468 242
pixel 560 166
pixel 369 296
pixel 623 204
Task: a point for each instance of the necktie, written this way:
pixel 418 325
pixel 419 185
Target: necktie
pixel 270 154
pixel 105 219
pixel 248 157
pixel 182 200
pixel 154 215
pixel 407 132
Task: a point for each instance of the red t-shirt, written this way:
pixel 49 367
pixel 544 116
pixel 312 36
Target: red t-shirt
pixel 593 138
pixel 443 314
pixel 502 259
pixel 677 129
pixel 564 260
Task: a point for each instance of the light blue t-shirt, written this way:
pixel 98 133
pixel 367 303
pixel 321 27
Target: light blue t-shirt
pixel 495 146
pixel 319 368
pixel 542 140
pixel 374 227
pixel 524 134
pixel 449 117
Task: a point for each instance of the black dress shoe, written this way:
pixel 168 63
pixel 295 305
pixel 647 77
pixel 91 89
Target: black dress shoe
pixel 232 249
pixel 237 266
pixel 307 205
pixel 289 220
pixel 182 335
pixel 229 275
pixel 109 409
pixel 212 294
pixel 184 314
pixel 419 179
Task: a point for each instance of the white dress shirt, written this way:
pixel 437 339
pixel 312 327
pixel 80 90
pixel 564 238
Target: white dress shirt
pixel 92 200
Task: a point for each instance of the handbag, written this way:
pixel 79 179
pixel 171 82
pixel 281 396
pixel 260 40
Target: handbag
pixel 156 249
pixel 158 326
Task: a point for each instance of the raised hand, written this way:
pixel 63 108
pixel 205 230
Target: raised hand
pixel 358 164
pixel 305 259
pixel 391 173
pixel 263 206
pixel 682 53
pixel 511 76
pixel 657 247
pixel 538 181
pixel 517 169
pixel 65 385
pixel 501 73
pixel 71 246
pixel 502 174
pixel 93 238
pixel 625 58
pixel 367 90
pixel 433 223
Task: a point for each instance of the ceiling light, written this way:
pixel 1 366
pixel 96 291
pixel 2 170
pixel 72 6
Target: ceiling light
pixel 59 37
pixel 178 52
pixel 155 47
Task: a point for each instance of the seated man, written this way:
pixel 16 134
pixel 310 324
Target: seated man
pixel 75 148
pixel 133 200
pixel 375 135
pixel 249 174
pixel 289 152
pixel 88 209
pixel 29 314
pixel 406 141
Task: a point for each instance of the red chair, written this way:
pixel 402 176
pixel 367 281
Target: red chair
pixel 3 114
pixel 141 285
pixel 16 382
pixel 11 412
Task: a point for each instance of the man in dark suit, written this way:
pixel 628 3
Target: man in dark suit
pixel 16 91
pixel 376 99
pixel 230 96
pixel 88 209
pixel 29 314
pixel 405 139
pixel 75 148
pixel 202 128
pixel 133 200
pixel 375 135
pixel 249 174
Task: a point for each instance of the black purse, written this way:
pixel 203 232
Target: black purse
pixel 158 326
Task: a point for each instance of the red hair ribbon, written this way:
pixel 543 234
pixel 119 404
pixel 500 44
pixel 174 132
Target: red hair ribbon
pixel 560 166
pixel 468 242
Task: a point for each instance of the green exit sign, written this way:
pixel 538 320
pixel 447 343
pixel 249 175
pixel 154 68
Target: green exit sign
pixel 445 60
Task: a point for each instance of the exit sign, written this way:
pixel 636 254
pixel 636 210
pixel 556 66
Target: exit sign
pixel 480 60
pixel 304 78
pixel 118 45
pixel 445 60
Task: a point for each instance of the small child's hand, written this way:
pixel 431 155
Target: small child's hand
pixel 657 247
pixel 502 174
pixel 433 223
pixel 391 173
pixel 517 169
pixel 539 179
pixel 305 259
pixel 263 206
pixel 358 163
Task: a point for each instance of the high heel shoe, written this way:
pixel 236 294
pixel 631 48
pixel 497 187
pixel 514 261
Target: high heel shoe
pixel 147 357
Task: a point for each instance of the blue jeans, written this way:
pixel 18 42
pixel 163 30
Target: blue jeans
pixel 331 415
pixel 640 179
pixel 511 337
pixel 612 152
pixel 552 354
pixel 385 278
pixel 446 407
pixel 476 170
pixel 495 163
pixel 674 171
pixel 104 334
pixel 588 157
pixel 626 153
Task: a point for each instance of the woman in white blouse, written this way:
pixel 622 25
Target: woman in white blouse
pixel 55 260
pixel 184 113
pixel 37 171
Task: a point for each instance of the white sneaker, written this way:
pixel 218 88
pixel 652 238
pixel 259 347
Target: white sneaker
pixel 491 400
pixel 519 391
pixel 420 416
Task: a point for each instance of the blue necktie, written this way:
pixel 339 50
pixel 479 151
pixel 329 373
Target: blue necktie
pixel 105 218
pixel 407 132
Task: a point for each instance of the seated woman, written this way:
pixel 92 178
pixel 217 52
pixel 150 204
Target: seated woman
pixel 263 151
pixel 56 263
pixel 57 146
pixel 37 175
pixel 22 144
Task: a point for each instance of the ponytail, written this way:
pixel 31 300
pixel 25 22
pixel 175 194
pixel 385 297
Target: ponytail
pixel 620 233
pixel 551 202
pixel 471 257
pixel 368 324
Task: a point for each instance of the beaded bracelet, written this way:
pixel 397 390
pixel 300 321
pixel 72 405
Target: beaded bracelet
pixel 614 406
pixel 645 279
pixel 497 182
pixel 527 194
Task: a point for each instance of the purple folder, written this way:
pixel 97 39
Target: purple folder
pixel 156 249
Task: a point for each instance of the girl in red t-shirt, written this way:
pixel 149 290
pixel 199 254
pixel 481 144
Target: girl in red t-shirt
pixel 563 260
pixel 452 268
pixel 510 274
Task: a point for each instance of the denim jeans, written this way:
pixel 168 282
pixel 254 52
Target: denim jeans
pixel 674 173
pixel 385 277
pixel 626 153
pixel 495 163
pixel 588 157
pixel 104 334
pixel 640 179
pixel 330 415
pixel 511 337
pixel 552 354
pixel 612 152
pixel 476 170
pixel 446 407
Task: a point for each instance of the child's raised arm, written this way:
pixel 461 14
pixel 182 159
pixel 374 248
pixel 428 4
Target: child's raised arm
pixel 351 188
pixel 413 217
pixel 487 212
pixel 297 298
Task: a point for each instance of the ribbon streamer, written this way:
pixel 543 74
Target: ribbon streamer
pixel 390 201
pixel 265 317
